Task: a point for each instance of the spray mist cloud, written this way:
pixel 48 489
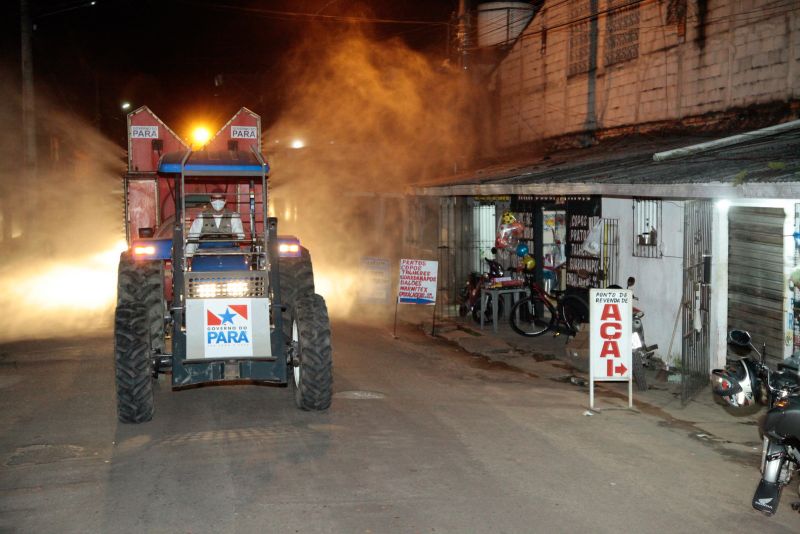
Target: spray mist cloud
pixel 61 228
pixel 374 117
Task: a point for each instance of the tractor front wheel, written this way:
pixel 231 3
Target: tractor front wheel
pixel 311 364
pixel 134 373
pixel 297 280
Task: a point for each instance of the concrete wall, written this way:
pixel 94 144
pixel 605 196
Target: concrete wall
pixel 659 281
pixel 746 52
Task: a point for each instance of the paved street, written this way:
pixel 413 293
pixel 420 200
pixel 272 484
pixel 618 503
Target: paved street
pixel 422 437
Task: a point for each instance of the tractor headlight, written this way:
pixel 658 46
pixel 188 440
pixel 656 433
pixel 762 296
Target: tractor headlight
pixel 210 290
pixel 207 290
pixel 236 289
pixel 220 287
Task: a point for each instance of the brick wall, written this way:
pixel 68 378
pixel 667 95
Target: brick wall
pixel 745 52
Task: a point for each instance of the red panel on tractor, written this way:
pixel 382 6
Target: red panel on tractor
pixel 148 139
pixel 242 132
pixel 141 205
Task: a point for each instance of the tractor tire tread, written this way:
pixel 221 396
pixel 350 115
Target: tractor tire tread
pixel 133 372
pixel 316 372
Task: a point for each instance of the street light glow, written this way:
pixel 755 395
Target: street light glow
pixel 126 105
pixel 298 143
pixel 723 205
pixel 201 135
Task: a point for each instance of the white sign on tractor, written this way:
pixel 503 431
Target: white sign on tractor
pixel 244 132
pixel 144 132
pixel 610 313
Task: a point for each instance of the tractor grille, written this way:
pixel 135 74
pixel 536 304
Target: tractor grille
pixel 226 285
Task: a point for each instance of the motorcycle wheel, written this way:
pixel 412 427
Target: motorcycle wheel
pixel 574 312
pixel 487 314
pixel 525 320
pixel 638 371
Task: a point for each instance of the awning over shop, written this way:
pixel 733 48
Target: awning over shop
pixel 754 165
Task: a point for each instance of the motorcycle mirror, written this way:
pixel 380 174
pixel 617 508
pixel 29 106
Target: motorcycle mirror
pixel 740 338
pixel 631 281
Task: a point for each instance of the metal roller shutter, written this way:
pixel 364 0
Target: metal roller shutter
pixel 755 275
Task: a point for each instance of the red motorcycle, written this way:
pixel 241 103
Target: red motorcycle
pixel 470 294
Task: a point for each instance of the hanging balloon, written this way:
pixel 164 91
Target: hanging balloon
pixel 505 231
pixel 500 242
pixel 517 228
pixel 530 264
pixel 508 218
pixel 522 250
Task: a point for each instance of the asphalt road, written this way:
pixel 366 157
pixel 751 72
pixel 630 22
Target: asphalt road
pixel 421 438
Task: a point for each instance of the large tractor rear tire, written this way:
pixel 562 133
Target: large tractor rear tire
pixel 311 371
pixel 133 364
pixel 297 280
pixel 142 282
pixel 297 276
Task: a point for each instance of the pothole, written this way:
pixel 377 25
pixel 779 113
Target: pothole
pixel 359 395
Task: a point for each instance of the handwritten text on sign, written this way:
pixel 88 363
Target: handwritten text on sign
pixel 610 333
pixel 418 282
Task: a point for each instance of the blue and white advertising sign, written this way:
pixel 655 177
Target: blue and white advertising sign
pixel 228 328
pixel 376 282
pixel 418 282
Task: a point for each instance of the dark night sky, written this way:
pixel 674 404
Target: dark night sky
pixel 166 53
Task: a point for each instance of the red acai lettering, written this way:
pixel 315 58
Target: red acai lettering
pixel 615 330
pixel 610 348
pixel 611 311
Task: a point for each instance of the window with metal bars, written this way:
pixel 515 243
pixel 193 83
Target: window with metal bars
pixel 646 228
pixel 622 31
pixel 578 37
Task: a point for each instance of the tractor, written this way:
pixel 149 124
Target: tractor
pixel 211 307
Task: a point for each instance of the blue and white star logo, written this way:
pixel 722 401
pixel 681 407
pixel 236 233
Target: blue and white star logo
pixel 227 317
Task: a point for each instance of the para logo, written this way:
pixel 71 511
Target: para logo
pixel 228 325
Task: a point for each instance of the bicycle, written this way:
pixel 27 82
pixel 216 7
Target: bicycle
pixel 542 312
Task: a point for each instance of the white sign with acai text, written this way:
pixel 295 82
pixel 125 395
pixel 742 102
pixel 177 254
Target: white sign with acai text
pixel 610 333
pixel 610 351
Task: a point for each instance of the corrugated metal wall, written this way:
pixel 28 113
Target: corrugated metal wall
pixel 755 275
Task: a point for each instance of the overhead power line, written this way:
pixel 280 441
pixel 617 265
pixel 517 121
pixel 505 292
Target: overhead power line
pixel 298 15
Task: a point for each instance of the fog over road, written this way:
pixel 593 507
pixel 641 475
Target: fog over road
pixel 420 438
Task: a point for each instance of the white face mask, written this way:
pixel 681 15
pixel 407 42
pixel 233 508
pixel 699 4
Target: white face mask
pixel 218 204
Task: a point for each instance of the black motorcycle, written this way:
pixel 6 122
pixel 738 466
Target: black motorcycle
pixel 750 380
pixel 642 352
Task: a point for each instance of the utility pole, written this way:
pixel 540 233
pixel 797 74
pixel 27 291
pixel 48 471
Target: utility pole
pixel 28 108
pixel 464 34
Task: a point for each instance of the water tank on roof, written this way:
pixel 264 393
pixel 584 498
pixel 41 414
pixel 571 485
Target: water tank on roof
pixel 502 22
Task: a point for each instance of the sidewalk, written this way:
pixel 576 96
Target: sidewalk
pixel 566 360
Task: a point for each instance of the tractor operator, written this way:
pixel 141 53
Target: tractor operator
pixel 215 222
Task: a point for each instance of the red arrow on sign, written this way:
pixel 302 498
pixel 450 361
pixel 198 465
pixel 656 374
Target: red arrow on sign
pixel 611 370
